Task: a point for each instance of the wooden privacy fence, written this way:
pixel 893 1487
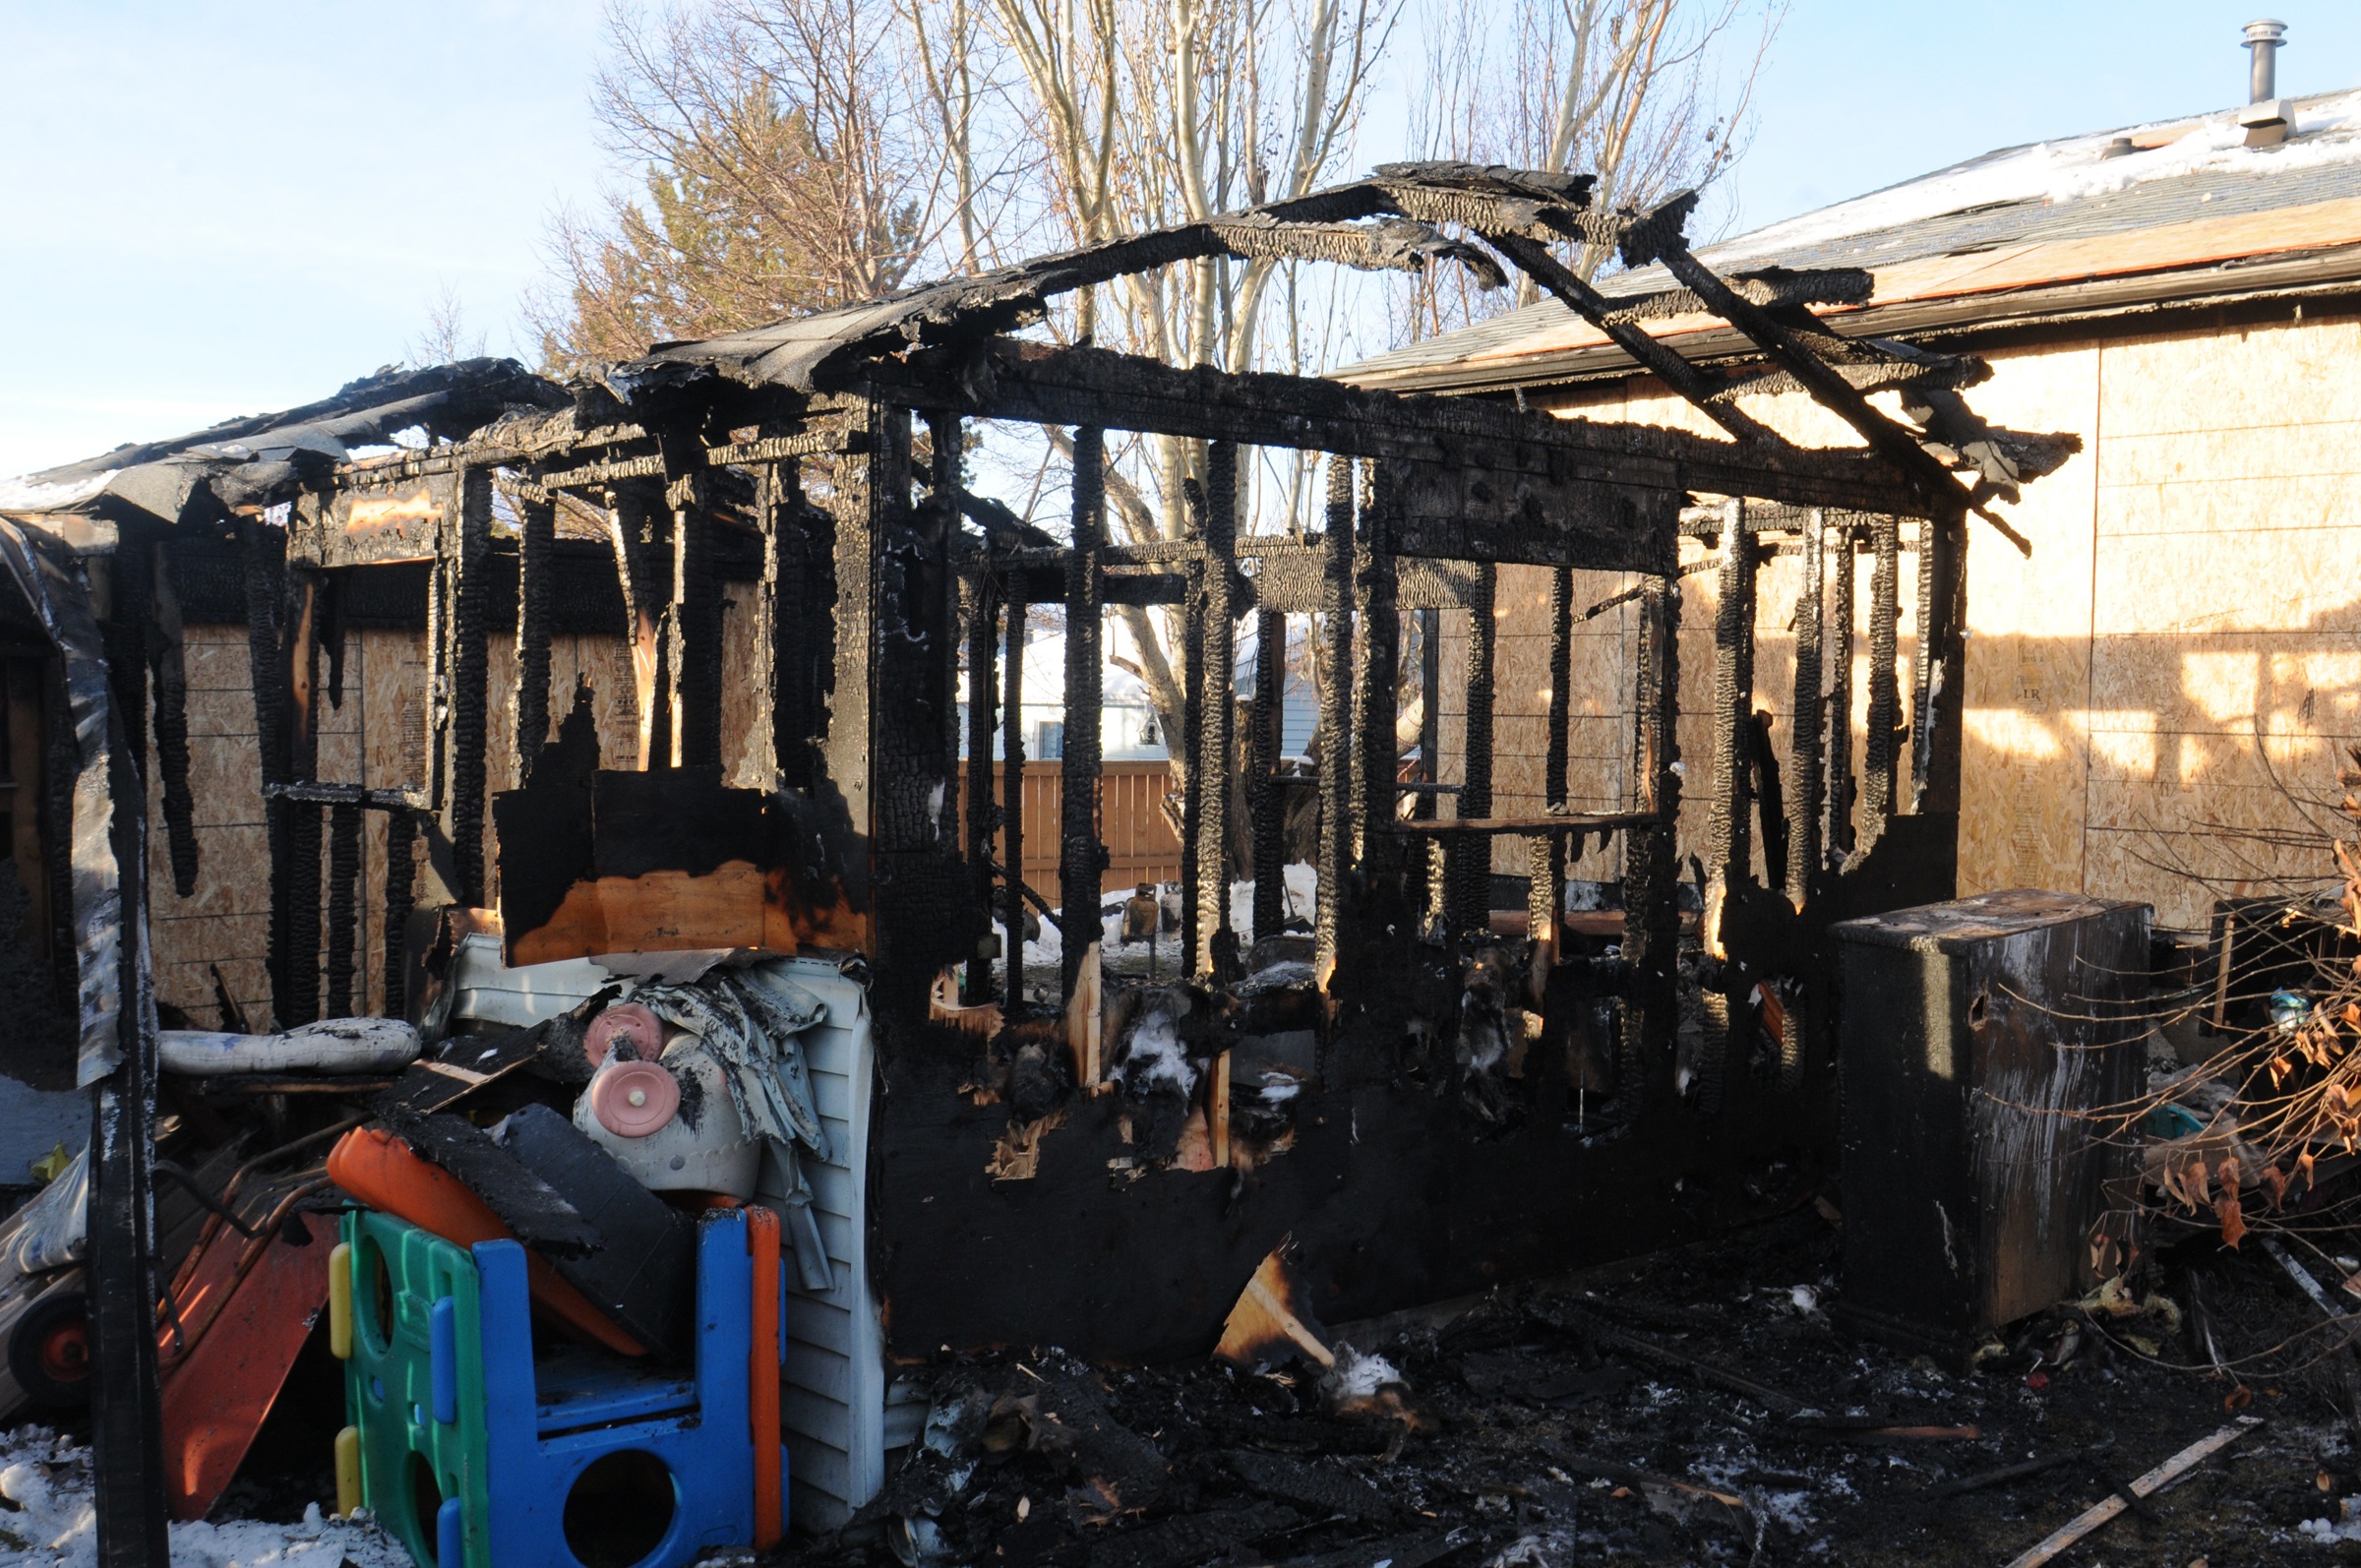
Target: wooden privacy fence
pixel 1142 846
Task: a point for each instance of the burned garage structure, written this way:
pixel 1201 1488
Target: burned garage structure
pixel 718 650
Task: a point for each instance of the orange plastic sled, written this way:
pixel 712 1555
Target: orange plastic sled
pixel 386 1173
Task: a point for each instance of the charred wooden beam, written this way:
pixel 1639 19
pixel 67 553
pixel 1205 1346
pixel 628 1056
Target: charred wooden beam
pixel 1658 237
pixel 1616 319
pixel 1375 690
pixel 630 526
pixel 868 498
pixel 401 838
pixel 120 1277
pixel 1216 954
pixel 343 907
pixel 1730 851
pixel 1885 699
pixel 1081 857
pixel 983 816
pixel 1728 834
pixel 304 845
pixel 469 661
pixel 537 537
pixel 1943 669
pixel 1264 714
pixel 1012 792
pixel 693 645
pixel 260 549
pixel 1842 789
pixel 1467 858
pixel 1545 899
pixel 1192 720
pixel 1335 729
pixel 1008 379
pixel 313 793
pixel 938 529
pixel 1805 776
pixel 1650 900
pixel 798 595
pixel 165 657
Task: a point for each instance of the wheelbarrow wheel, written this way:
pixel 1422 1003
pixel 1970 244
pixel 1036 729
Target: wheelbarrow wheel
pixel 49 1352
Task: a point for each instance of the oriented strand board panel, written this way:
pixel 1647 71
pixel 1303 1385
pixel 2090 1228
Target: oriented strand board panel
pixel 226 919
pixel 2224 659
pixel 2024 757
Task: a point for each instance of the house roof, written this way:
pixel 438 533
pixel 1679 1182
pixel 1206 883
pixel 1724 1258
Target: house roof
pixel 2129 219
pixel 261 459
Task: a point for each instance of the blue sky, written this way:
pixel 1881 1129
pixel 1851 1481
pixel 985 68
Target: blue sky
pixel 213 209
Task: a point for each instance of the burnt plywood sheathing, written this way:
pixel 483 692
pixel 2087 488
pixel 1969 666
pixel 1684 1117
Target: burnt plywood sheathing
pixel 170 673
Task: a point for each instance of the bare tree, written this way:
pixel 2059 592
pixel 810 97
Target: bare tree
pixel 445 338
pixel 1633 91
pixel 780 174
pixel 799 154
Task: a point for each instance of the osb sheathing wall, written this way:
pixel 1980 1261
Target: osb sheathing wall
pixel 2177 658
pixel 376 737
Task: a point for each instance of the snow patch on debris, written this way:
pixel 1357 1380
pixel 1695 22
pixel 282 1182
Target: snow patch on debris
pixel 54 1522
pixel 28 494
pixel 2326 131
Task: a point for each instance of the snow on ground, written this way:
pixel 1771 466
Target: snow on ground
pixel 2326 130
pixel 47 1519
pixel 1302 890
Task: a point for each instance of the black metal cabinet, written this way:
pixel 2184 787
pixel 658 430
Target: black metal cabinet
pixel 1978 1038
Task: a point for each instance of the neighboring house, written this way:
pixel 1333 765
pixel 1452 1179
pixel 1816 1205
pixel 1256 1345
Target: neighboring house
pixel 2178 655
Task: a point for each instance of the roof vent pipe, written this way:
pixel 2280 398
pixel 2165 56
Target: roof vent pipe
pixel 2263 80
pixel 2267 116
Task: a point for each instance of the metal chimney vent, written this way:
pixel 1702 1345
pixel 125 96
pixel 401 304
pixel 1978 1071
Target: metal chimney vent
pixel 2267 116
pixel 2263 39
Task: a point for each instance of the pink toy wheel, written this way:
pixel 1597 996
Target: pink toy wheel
pixel 632 1099
pixel 626 1020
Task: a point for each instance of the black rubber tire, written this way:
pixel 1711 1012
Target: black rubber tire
pixel 49 1351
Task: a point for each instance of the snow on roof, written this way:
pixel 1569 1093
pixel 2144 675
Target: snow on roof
pixel 2326 130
